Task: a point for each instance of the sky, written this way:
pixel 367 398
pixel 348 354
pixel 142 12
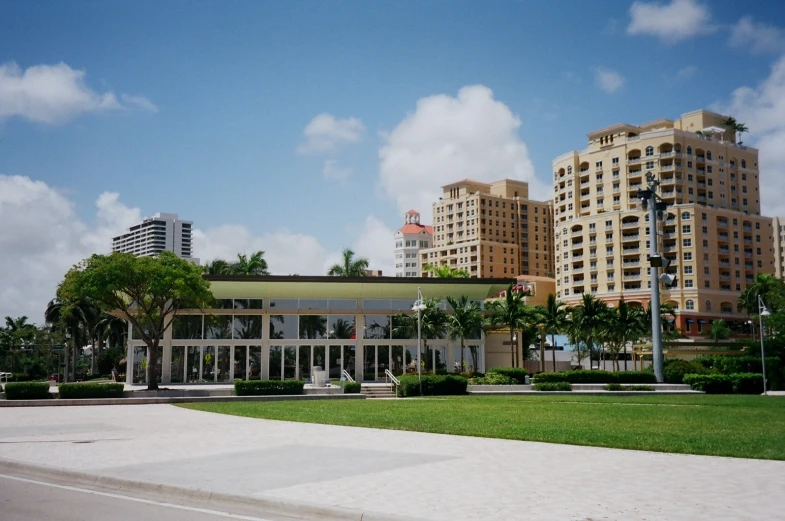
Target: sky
pixel 304 127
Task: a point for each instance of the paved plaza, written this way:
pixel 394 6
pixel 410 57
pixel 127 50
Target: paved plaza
pixel 426 476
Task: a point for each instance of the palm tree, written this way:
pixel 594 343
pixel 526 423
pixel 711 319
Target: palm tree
pixel 350 267
pixel 731 124
pixel 667 313
pixel 769 288
pixel 253 265
pixel 445 272
pixel 70 317
pixel 511 313
pixel 718 330
pixel 466 321
pixel 554 320
pixel 625 324
pixel 19 330
pixel 217 267
pixel 740 128
pixel 313 326
pixel 588 319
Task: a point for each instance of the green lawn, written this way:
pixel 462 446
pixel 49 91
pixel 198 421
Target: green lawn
pixel 738 426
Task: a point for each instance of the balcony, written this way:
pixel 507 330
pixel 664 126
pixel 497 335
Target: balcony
pixel 577 257
pixel 748 266
pixel 670 248
pixel 630 251
pixel 635 276
pixel 669 235
pixel 635 186
pixel 746 227
pixel 631 264
pixel 666 154
pixel 628 238
pixel 723 251
pixel 724 237
pixel 701 171
pixel 748 241
pixel 667 168
pixel 668 193
pixel 748 254
pixel 632 224
pixel 701 184
pixel 722 224
pixel 725 264
pixel 634 161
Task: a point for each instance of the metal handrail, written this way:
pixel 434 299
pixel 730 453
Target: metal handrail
pixel 390 376
pixel 346 375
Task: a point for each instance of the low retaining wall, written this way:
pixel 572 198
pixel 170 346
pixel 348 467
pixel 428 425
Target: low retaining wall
pixel 174 399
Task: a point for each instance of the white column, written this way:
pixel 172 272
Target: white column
pixel 359 351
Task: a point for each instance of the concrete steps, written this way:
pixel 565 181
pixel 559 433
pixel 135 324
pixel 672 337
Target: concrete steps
pixel 377 391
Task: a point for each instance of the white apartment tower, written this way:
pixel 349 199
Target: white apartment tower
pixel 162 232
pixel 409 240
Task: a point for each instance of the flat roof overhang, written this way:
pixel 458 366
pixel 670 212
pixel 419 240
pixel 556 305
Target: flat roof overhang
pixel 324 287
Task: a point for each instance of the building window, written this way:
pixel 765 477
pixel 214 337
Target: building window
pixel 685 216
pixel 687 243
pixel 688 283
pixel 744 163
pixel 690 304
pixel 688 256
pixel 649 151
pixel 688 270
pixel 686 228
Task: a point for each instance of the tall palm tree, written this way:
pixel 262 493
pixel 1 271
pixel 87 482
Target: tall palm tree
pixel 554 315
pixel 667 314
pixel 19 330
pixel 769 288
pixel 466 321
pixel 588 319
pixel 253 265
pixel 511 313
pixel 731 124
pixel 70 317
pixel 624 324
pixel 718 330
pixel 740 128
pixel 445 272
pixel 217 267
pixel 350 267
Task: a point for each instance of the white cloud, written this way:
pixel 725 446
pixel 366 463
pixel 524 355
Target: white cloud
pixel 325 133
pixel 756 37
pixel 762 109
pixel 449 138
pixel 332 171
pixel 375 242
pixel 41 237
pixel 608 80
pixel 54 94
pixel 686 73
pixel 671 23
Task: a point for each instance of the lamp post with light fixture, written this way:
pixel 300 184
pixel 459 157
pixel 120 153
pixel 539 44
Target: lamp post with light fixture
pixel 419 306
pixel 762 312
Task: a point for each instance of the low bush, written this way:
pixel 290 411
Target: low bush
pixel 492 378
pixel 268 387
pixel 88 390
pixel 352 387
pixel 710 383
pixel 614 387
pixel 27 391
pixel 639 388
pixel 20 377
pixel 747 383
pixel 775 369
pixel 598 377
pixel 98 377
pixel 432 385
pixel 553 386
pixel 517 374
pixel 674 370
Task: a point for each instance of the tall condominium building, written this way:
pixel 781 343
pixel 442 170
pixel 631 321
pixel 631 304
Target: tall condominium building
pixel 491 230
pixel 712 231
pixel 409 240
pixel 778 231
pixel 163 231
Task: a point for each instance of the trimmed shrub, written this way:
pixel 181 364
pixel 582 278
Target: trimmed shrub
pixel 553 386
pixel 635 377
pixel 88 390
pixel 27 391
pixel 674 370
pixel 20 377
pixel 268 387
pixel 639 388
pixel 598 377
pixel 352 387
pixel 614 387
pixel 710 383
pixel 517 374
pixel 492 378
pixel 747 383
pixel 432 385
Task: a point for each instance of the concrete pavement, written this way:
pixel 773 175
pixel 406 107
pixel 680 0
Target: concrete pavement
pixel 427 476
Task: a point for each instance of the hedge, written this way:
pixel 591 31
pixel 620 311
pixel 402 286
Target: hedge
pixel 517 374
pixel 553 386
pixel 775 369
pixel 352 387
pixel 432 385
pixel 492 378
pixel 27 391
pixel 710 383
pixel 598 377
pixel 674 370
pixel 88 390
pixel 266 387
pixel 747 383
pixel 620 387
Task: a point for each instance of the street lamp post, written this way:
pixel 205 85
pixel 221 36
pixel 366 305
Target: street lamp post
pixel 419 306
pixel 656 207
pixel 762 312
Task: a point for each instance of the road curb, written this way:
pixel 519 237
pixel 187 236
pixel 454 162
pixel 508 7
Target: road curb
pixel 267 505
pixel 58 402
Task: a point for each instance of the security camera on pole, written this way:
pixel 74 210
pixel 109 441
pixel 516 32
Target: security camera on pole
pixel 656 207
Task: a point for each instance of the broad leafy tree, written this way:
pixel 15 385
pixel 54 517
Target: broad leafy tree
pixel 467 320
pixel 512 313
pixel 146 291
pixel 350 266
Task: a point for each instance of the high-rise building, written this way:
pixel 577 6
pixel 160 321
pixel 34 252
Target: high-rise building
pixel 163 231
pixel 491 230
pixel 778 231
pixel 409 240
pixel 712 231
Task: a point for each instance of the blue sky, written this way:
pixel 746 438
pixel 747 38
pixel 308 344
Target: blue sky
pixel 208 101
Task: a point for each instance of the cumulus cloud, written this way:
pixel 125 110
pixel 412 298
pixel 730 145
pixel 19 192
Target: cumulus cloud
pixel 448 138
pixel 756 37
pixel 53 94
pixel 332 171
pixel 608 80
pixel 762 109
pixel 326 133
pixel 671 23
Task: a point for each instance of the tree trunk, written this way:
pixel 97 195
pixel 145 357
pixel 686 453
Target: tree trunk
pixel 512 348
pixel 625 356
pixel 98 354
pixel 542 351
pixel 66 363
pixel 152 362
pixel 590 345
pixel 461 370
pixel 553 350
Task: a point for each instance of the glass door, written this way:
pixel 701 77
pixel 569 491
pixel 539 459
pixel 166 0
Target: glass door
pixel 396 360
pixel 177 374
pixel 382 361
pixel 208 364
pixel 224 364
pixel 240 363
pixel 255 362
pixel 276 363
pixel 349 359
pixel 290 363
pixel 193 364
pixel 334 370
pixel 304 363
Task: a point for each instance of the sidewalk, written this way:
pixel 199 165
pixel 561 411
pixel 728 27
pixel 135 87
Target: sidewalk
pixel 419 475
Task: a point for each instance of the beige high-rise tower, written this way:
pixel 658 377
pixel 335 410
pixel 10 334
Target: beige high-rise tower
pixel 491 230
pixel 712 230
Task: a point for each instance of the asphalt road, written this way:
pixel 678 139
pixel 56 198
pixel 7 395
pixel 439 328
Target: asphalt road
pixel 26 499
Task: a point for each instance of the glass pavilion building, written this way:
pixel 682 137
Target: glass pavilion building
pixel 281 327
